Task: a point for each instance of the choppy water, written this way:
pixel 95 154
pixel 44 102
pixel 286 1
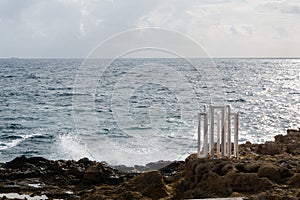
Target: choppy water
pixel 140 113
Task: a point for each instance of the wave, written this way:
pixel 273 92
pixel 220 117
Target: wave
pixel 10 137
pixel 59 88
pixel 71 94
pixel 19 118
pixel 70 145
pixel 13 126
pixel 236 100
pixel 7 76
pixel 14 140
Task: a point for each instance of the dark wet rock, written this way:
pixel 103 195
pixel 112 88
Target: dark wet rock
pixel 285 172
pixel 263 171
pixel 85 162
pixel 269 148
pixel 222 167
pixel 172 167
pixel 140 168
pixel 143 168
pixel 149 184
pixel 115 180
pixel 208 181
pixel 18 162
pixel 247 167
pixel 259 170
pixel 289 143
pixel 281 139
pixel 97 173
pixel 157 165
pixel 227 168
pixel 37 161
pixel 76 171
pixel 294 180
pixel 58 194
pixel 132 195
pixel 249 182
pixel 124 168
pixel 172 172
pixel 269 171
pixel 212 182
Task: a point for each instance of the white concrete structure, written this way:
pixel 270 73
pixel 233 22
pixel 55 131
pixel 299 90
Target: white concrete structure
pixel 219 116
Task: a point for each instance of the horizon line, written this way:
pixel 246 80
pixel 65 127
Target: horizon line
pixel 216 57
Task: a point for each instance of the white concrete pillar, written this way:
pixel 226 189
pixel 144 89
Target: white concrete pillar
pixel 236 135
pixel 205 142
pixel 228 131
pixel 199 135
pixel 211 136
pixel 218 133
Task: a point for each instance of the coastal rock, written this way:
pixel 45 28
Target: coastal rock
pixel 149 184
pixel 227 168
pixel 85 162
pixel 18 162
pixel 97 173
pixel 234 182
pixel 269 171
pixel 269 148
pixel 222 167
pixel 294 180
pixel 212 182
pixel 248 167
pixel 132 196
pixel 157 165
pixel 285 172
pixel 289 143
pixel 249 182
pixel 172 172
pixel 264 171
pixel 172 167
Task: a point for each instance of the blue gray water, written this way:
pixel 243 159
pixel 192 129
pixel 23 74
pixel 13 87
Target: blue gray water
pixel 37 107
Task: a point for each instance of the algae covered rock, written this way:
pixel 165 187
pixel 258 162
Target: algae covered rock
pixel 249 182
pixel 97 173
pixel 263 171
pixel 149 184
pixel 269 171
pixel 294 180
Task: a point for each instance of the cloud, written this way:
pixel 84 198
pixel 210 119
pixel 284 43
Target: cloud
pixel 286 7
pixel 241 30
pixel 71 28
pixel 63 28
pixel 12 9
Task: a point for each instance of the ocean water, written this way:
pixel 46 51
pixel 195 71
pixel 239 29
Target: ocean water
pixel 135 111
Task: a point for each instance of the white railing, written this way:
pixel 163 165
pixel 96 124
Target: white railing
pixel 223 132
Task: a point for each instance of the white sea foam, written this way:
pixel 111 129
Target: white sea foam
pixel 14 142
pixel 22 196
pixel 70 147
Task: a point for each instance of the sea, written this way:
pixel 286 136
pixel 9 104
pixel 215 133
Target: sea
pixel 138 110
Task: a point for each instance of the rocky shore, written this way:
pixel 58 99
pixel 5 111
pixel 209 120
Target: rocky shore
pixel 262 171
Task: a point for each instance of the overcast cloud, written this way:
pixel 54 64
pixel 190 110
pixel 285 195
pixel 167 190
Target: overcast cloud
pixel 225 28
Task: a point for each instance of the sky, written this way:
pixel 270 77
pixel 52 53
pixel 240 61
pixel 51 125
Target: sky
pixel 224 28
